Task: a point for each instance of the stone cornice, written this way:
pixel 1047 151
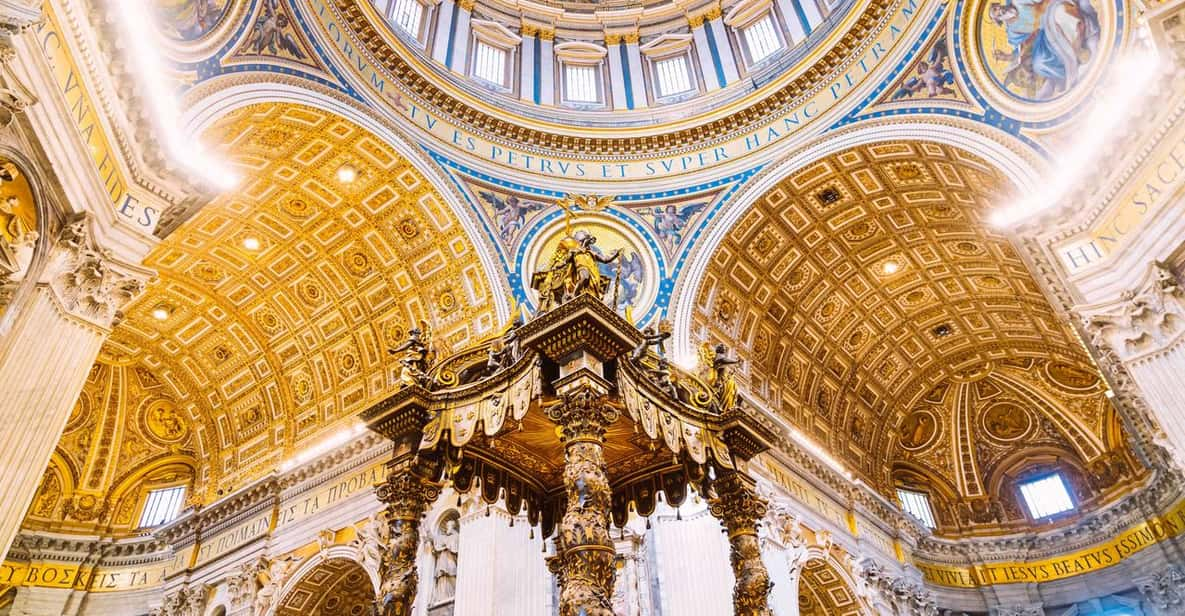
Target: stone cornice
pixel 1105 176
pixel 94 27
pixel 1096 527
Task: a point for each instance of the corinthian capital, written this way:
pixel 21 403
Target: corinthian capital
pixel 1164 591
pixel 1146 318
pixel 892 594
pixel 16 16
pixel 87 281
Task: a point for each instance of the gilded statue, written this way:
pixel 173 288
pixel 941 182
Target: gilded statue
pixel 415 355
pixel 716 362
pixel 574 269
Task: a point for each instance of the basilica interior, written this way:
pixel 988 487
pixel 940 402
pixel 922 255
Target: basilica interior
pixel 592 307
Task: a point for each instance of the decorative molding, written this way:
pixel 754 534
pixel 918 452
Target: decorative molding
pixel 889 594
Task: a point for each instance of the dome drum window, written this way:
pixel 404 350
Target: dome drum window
pixel 670 67
pixel 1046 496
pixel 582 74
pixel 494 53
pixel 758 31
pixel 408 16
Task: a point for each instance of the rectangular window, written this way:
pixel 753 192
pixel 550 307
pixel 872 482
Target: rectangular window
pixel 918 505
pixel 580 83
pixel 761 39
pixel 162 506
pixel 407 15
pixel 1046 496
pixel 489 64
pixel 673 76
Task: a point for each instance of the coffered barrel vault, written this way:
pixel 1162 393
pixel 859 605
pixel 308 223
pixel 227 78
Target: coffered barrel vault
pixel 882 315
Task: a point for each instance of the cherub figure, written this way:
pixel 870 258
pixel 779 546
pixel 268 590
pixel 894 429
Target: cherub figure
pixel 932 76
pixel 269 32
pixel 652 337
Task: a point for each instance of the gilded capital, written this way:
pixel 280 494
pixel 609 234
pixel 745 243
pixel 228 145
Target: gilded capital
pixel 583 415
pixel 546 34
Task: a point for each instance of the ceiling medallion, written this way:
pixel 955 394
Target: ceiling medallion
pixel 918 430
pixel 1006 421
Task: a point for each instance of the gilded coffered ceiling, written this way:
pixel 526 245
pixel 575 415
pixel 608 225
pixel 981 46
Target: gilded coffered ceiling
pixel 823 592
pixel 336 587
pixel 870 279
pixel 277 302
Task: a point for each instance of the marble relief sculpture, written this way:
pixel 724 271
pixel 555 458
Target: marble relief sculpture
pixel 444 550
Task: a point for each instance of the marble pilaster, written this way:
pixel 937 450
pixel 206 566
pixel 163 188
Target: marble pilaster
pixel 45 358
pixel 441 38
pixel 1144 330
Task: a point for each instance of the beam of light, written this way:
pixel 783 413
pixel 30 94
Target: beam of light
pixel 324 446
pixel 1122 99
pixel 141 37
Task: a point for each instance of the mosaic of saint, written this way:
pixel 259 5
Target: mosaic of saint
pixel 189 20
pixel 917 429
pixel 1038 50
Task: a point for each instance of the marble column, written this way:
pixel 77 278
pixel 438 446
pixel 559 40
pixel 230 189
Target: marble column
pixel 499 569
pixel 1139 341
pixel 546 67
pixel 691 562
pixel 738 507
pixel 713 74
pixel 633 57
pixel 406 496
pixel 584 561
pixel 620 95
pixel 45 358
pixel 720 47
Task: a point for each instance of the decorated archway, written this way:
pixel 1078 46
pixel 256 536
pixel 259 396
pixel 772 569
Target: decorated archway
pixel 331 587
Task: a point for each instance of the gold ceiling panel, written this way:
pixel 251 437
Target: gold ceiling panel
pixel 125 435
pixel 335 586
pixel 284 294
pixel 823 592
pixel 863 280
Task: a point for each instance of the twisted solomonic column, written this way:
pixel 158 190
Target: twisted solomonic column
pixel 584 561
pixel 739 508
pixel 407 496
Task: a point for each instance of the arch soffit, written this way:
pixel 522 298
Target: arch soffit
pixel 348 557
pixel 1009 156
pixel 183 256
